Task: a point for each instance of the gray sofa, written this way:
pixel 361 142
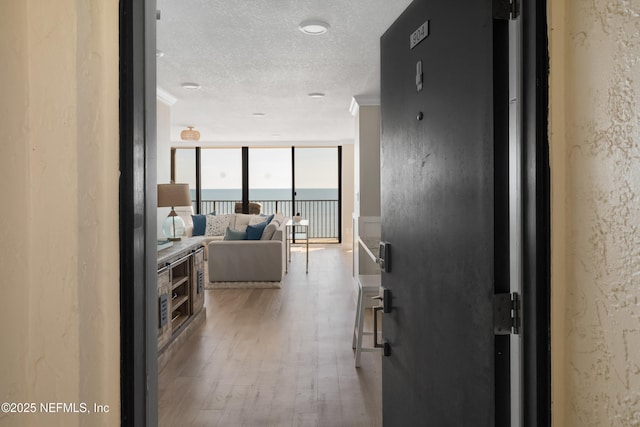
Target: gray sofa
pixel 248 260
pixel 241 260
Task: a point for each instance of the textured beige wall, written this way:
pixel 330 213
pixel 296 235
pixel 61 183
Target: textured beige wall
pixel 59 178
pixel 595 163
pixel 15 277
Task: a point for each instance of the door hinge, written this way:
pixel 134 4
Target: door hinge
pixel 506 314
pixel 506 9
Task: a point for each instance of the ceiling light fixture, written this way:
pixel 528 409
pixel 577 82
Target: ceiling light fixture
pixel 190 85
pixel 190 134
pixel 258 114
pixel 313 27
pixel 316 95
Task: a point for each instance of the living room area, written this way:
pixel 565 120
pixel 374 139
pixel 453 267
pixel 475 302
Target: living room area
pixel 265 335
pixel 268 350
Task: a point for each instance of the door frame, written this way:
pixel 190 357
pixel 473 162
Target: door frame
pixel 138 370
pixel 137 213
pixel 536 399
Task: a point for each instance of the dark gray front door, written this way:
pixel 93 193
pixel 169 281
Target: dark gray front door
pixel 444 204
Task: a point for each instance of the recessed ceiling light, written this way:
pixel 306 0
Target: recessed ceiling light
pixel 159 53
pixel 313 27
pixel 190 85
pixel 316 95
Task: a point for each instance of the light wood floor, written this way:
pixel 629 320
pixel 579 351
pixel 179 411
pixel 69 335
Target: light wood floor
pixel 276 357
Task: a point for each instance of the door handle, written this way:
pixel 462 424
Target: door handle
pixel 385 346
pixel 385 308
pixel 375 325
pixel 386 300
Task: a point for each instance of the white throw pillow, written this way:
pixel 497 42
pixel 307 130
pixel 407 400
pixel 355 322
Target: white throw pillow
pixel 279 218
pixel 269 231
pixel 217 225
pixel 257 219
pixel 242 220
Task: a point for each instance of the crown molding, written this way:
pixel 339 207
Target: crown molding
pixel 165 96
pixel 362 101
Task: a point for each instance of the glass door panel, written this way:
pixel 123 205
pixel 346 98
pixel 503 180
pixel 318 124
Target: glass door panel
pixel 270 179
pixel 317 191
pixel 221 179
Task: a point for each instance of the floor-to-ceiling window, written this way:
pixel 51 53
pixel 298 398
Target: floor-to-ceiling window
pixel 317 190
pixel 291 180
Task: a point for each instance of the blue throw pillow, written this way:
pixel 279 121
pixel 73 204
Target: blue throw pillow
pixel 199 224
pixel 254 232
pixel 234 235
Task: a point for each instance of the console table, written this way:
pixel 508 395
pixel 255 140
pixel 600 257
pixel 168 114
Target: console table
pixel 180 295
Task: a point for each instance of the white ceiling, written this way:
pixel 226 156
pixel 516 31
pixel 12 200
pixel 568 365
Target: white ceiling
pixel 249 57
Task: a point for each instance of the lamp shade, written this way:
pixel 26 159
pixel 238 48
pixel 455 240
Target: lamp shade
pixel 170 195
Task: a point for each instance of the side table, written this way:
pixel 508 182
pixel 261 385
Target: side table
pixel 292 234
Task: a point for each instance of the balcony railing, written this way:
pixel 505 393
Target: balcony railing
pixel 324 224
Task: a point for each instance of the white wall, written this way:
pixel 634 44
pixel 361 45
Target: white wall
pixel 366 158
pixel 59 177
pixel 163 148
pixel 595 167
pixel 347 193
pixel 163 144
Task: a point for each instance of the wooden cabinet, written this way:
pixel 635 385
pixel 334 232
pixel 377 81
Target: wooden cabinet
pixel 180 294
pixel 164 290
pixel 197 285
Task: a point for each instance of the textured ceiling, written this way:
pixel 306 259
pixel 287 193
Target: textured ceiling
pixel 249 57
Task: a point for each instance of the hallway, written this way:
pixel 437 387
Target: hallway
pixel 276 357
